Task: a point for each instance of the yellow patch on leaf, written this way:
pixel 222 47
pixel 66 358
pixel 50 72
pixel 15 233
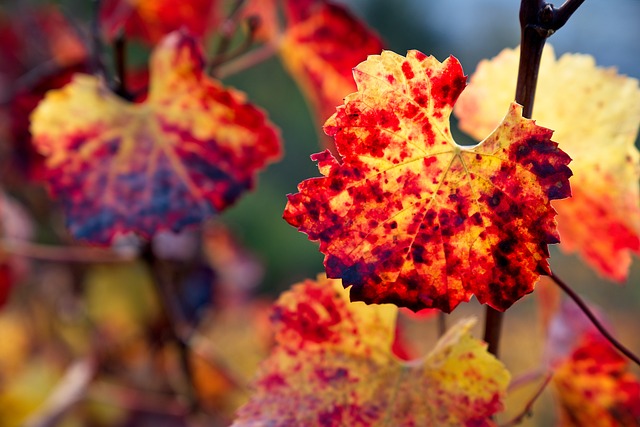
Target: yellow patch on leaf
pixel 333 366
pixel 595 114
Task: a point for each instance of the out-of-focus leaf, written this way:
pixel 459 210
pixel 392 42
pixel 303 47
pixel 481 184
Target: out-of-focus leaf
pixel 189 151
pixel 320 47
pixel 151 20
pixel 333 366
pixel 121 300
pixel 593 383
pixel 412 218
pixel 319 44
pixel 595 113
pixel 14 353
pixel 235 338
pixel 24 392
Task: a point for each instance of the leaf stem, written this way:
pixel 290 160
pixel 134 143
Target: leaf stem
pixel 594 320
pixel 120 56
pixel 493 329
pixel 246 61
pixel 538 21
pixel 97 63
pixel 442 323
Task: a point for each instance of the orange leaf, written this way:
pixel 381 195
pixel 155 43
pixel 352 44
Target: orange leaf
pixel 591 379
pixel 595 113
pixel 322 44
pixel 333 366
pixel 151 20
pixel 412 218
pixel 187 152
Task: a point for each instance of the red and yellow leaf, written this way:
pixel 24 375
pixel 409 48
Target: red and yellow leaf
pixel 595 387
pixel 592 381
pixel 412 218
pixel 333 366
pixel 322 44
pixel 190 150
pixel 151 20
pixel 595 113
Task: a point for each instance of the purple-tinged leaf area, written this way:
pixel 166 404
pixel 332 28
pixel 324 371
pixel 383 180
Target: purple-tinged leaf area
pixel 333 366
pixel 409 217
pixel 187 152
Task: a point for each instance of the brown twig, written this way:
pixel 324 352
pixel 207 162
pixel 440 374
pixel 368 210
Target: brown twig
pixel 78 254
pixel 119 84
pixel 538 21
pixel 493 329
pixel 245 61
pixel 594 320
pixel 442 323
pixel 97 63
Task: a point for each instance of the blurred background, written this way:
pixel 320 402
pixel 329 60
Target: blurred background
pixel 278 255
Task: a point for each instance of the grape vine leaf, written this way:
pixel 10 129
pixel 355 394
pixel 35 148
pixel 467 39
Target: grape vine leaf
pixel 333 366
pixel 320 44
pixel 595 114
pixel 592 381
pixel 320 47
pixel 151 20
pixel 190 150
pixel 412 218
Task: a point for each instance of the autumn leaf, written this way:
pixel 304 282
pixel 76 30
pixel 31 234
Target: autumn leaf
pixel 595 387
pixel 151 20
pixel 39 51
pixel 333 366
pixel 190 150
pixel 592 381
pixel 595 113
pixel 319 44
pixel 412 218
pixel 320 47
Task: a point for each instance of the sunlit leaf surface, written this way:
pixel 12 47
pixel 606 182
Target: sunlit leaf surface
pixel 412 218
